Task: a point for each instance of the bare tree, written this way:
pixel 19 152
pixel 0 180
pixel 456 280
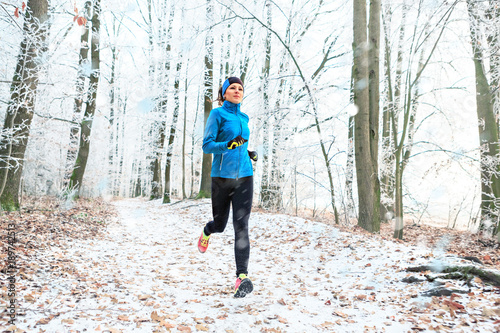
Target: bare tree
pixel 365 136
pixel 76 179
pixel 205 185
pixel 406 103
pixel 487 122
pixel 80 95
pixel 16 130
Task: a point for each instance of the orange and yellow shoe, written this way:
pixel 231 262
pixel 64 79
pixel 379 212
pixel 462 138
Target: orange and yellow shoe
pixel 243 286
pixel 203 242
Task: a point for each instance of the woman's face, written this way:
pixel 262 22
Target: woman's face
pixel 234 93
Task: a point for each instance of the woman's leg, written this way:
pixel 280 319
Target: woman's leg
pixel 221 191
pixel 242 206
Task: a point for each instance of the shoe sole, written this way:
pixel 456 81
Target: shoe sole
pixel 245 288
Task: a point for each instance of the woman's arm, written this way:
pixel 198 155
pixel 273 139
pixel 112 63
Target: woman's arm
pixel 210 146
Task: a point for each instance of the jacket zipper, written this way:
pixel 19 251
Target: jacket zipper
pixel 221 159
pixel 239 148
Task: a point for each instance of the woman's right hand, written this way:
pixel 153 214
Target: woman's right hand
pixel 236 142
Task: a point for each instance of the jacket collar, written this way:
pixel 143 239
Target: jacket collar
pixel 231 106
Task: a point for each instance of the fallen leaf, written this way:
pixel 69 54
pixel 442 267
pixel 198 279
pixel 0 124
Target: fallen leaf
pixel 172 316
pixel 44 321
pixel 166 325
pixel 123 317
pixel 155 316
pixel 201 327
pixel 340 314
pixel 453 304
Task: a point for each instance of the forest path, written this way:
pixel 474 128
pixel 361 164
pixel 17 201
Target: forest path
pixel 148 276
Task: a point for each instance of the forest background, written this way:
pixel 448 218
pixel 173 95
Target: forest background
pixel 108 98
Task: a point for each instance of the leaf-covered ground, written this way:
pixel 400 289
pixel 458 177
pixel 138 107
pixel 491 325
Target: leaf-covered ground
pixel 142 272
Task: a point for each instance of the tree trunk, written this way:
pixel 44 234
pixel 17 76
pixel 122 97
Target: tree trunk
pixel 206 168
pixel 367 179
pixel 158 191
pixel 387 169
pixel 170 146
pixel 113 124
pixel 194 174
pixel 349 178
pixel 80 91
pixel 246 59
pixel 22 103
pixel 488 130
pixel 493 16
pixel 88 117
pixel 266 193
pixel 184 130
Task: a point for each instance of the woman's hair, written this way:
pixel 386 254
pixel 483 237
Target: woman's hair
pixel 220 98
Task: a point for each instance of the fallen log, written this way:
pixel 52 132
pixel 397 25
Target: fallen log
pixel 460 272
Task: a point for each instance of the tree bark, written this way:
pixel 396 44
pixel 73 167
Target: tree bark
pixel 158 191
pixel 266 193
pixel 206 168
pixel 170 146
pixel 374 96
pixel 488 130
pixel 367 175
pixel 88 117
pixel 22 103
pixel 80 92
pixel 184 130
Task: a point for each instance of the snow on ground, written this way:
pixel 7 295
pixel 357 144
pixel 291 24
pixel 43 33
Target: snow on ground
pixel 148 276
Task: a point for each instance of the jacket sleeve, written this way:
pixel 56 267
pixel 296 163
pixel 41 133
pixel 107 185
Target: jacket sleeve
pixel 210 146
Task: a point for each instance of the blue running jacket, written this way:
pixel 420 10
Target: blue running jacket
pixel 224 124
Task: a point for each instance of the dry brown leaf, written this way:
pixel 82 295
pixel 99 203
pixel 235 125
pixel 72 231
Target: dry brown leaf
pixel 184 328
pixel 44 321
pixel 155 316
pixel 123 318
pixel 68 321
pixel 29 298
pixel 172 316
pixel 453 305
pixel 340 314
pixel 282 302
pixel 201 327
pixel 166 325
pixel 144 297
pixel 112 330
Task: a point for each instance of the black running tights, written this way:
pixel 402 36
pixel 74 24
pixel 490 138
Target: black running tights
pixel 239 194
